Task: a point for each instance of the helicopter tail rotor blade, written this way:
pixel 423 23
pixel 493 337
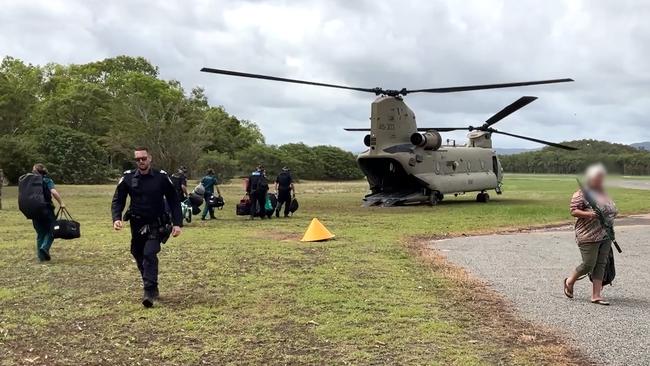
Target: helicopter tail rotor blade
pixel 560 146
pixel 295 81
pixel 454 89
pixel 505 112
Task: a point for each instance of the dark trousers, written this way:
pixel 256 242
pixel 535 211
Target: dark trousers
pixel 44 236
pixel 258 203
pixel 145 249
pixel 207 209
pixel 284 198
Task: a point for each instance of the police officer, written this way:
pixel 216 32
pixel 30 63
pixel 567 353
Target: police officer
pixel 148 189
pixel 256 189
pixel 179 179
pixel 284 189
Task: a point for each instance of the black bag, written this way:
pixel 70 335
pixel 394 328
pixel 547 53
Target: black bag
pixel 31 196
pixel 196 210
pixel 196 200
pixel 610 270
pixel 215 201
pixel 293 206
pixel 243 208
pixel 65 227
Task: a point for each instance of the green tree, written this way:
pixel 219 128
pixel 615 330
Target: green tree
pixel 20 86
pixel 71 156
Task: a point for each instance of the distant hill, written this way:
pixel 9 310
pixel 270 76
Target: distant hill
pixel 619 158
pixel 645 145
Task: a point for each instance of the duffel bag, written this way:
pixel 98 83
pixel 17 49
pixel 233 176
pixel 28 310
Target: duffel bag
pixel 215 202
pixel 293 206
pixel 65 227
pixel 243 208
pixel 196 200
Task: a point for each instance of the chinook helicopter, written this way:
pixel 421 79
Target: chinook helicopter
pixel 406 164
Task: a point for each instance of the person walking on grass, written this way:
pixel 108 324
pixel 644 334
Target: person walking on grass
pixel 209 182
pixel 36 192
pixel 285 190
pixel 148 189
pixel 257 188
pixel 590 236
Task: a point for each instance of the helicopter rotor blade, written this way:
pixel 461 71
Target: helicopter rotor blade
pixel 505 112
pixel 560 146
pixel 444 129
pixel 295 81
pixel 357 129
pixel 454 89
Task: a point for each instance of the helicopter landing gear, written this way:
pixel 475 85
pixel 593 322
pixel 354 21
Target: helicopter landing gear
pixel 482 197
pixel 434 198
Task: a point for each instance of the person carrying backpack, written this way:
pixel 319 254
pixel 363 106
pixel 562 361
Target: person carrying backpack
pixel 36 190
pixel 209 182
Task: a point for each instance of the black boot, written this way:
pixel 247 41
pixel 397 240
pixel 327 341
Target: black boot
pixel 148 299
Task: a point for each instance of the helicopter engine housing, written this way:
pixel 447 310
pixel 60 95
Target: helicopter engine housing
pixel 430 140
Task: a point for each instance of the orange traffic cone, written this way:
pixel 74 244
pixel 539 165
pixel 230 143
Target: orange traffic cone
pixel 317 232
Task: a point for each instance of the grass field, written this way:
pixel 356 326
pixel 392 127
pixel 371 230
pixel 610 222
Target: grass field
pixel 240 292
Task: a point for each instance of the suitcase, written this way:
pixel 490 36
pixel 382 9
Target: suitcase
pixel 65 227
pixel 243 208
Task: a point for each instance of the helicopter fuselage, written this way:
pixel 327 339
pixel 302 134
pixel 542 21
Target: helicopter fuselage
pixel 401 172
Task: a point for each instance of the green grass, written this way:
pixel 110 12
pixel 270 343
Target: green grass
pixel 241 292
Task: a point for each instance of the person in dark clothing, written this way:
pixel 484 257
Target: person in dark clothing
pixel 148 189
pixel 179 179
pixel 209 182
pixel 257 188
pixel 285 191
pixel 43 225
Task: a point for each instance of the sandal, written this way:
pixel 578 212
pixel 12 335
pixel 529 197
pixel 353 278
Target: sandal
pixel 567 293
pixel 600 302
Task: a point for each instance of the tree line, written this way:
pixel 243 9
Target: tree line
pixel 84 120
pixel 618 158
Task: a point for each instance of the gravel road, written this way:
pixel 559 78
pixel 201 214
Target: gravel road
pixel 528 268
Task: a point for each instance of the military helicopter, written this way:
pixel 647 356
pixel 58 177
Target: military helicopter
pixel 406 164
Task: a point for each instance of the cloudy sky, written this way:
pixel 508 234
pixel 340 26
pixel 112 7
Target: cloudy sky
pixel 603 45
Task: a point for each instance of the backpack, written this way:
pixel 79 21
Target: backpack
pixel 31 196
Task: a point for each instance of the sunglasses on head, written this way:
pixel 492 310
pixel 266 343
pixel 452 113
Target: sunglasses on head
pixel 140 159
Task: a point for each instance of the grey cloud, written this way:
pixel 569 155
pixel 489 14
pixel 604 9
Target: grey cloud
pixel 413 44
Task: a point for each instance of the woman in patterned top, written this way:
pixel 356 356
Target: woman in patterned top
pixel 590 235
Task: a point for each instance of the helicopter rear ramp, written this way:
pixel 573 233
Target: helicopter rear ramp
pixel 390 185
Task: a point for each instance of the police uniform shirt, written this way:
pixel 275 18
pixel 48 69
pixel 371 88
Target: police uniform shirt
pixel 257 181
pixel 147 192
pixel 284 180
